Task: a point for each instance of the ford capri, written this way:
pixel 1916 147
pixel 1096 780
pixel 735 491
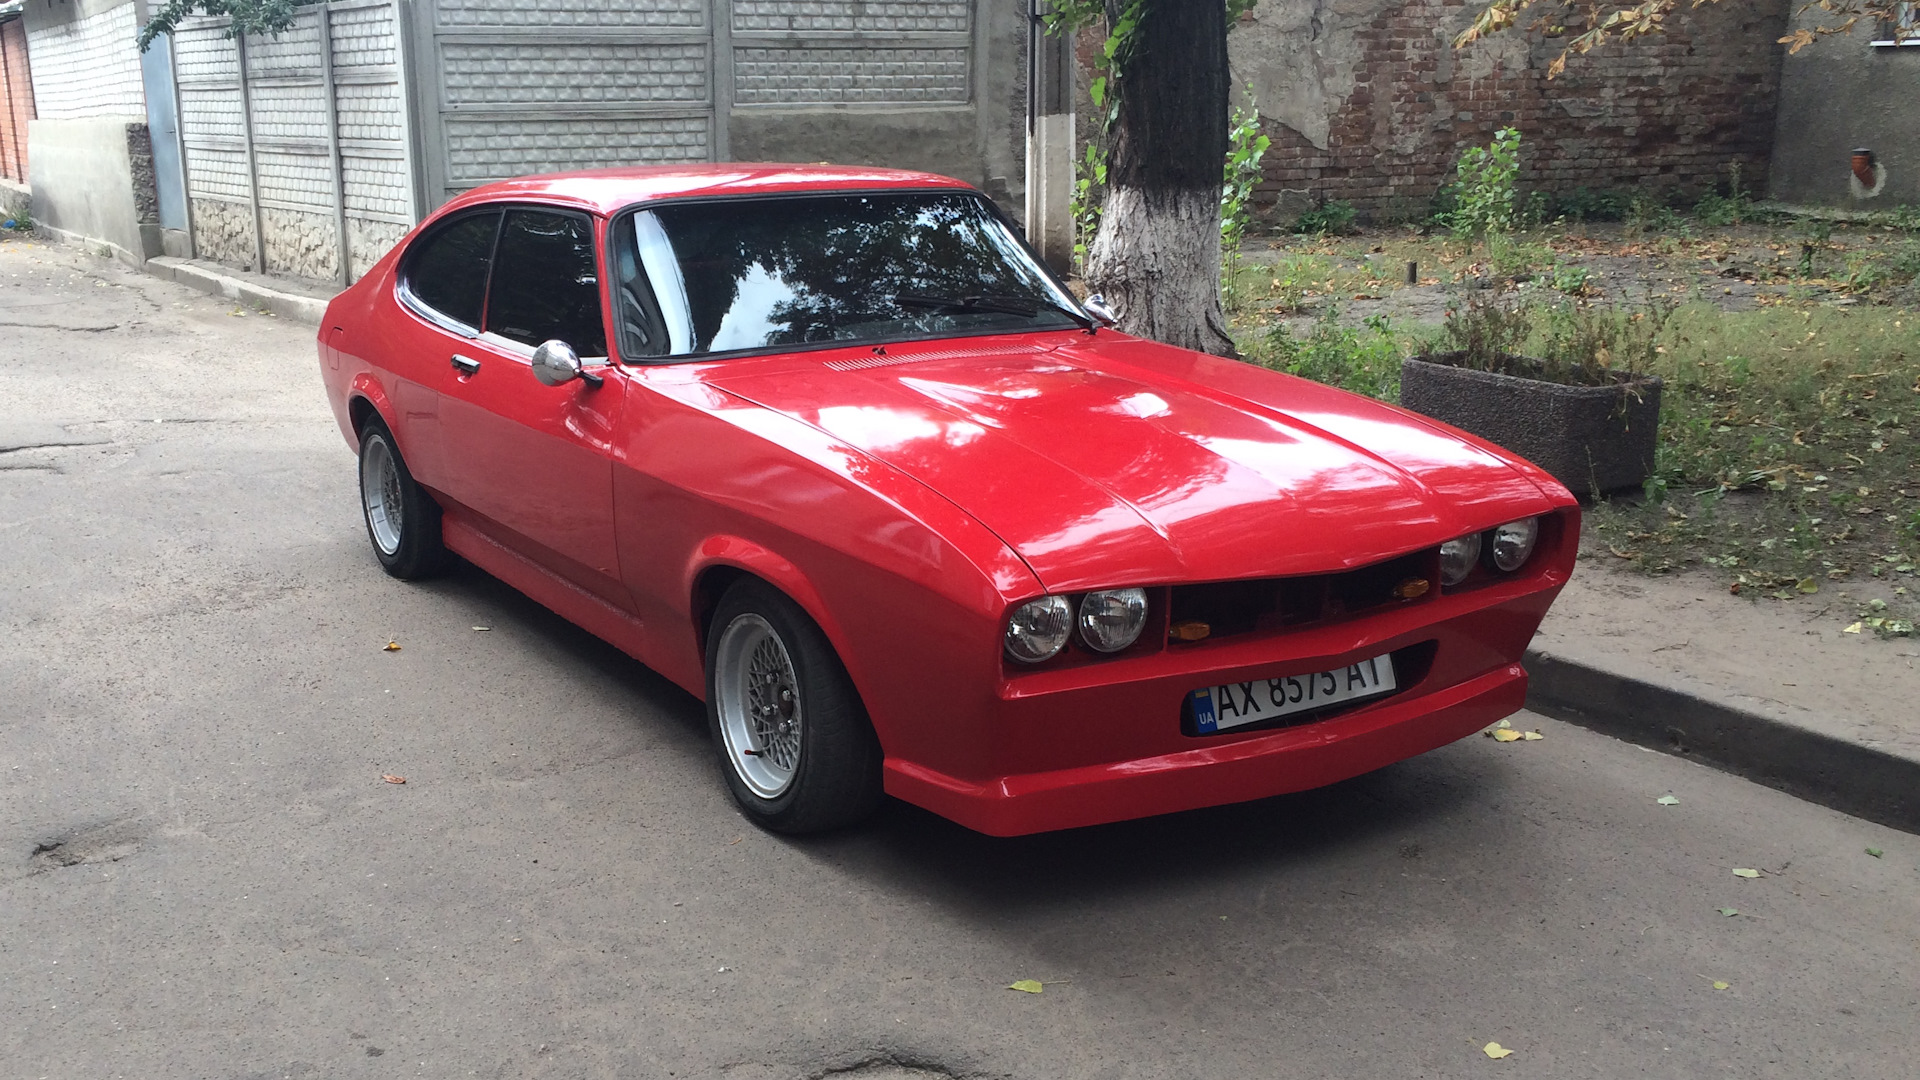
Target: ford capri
pixel 832 450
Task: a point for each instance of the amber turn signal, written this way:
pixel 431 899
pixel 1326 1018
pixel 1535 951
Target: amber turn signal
pixel 1189 631
pixel 1412 587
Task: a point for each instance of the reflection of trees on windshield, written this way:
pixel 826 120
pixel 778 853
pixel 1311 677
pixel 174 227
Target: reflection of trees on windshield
pixel 790 271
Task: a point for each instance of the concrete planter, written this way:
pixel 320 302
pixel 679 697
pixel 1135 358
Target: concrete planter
pixel 1591 438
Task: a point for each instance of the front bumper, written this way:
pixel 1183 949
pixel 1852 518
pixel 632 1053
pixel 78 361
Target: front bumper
pixel 1128 717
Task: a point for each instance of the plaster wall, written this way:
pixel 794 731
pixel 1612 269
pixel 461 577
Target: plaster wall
pixel 1837 94
pixel 92 181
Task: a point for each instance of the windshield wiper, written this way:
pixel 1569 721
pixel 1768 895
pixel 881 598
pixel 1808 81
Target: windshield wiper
pixel 1005 305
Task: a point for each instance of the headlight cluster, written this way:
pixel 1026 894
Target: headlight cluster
pixel 1107 621
pixel 1507 548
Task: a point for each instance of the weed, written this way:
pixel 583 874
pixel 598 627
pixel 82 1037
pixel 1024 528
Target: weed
pixel 1733 208
pixel 1246 146
pixel 1513 259
pixel 1483 191
pixel 1651 214
pixel 1571 280
pixel 1365 360
pixel 1333 218
pixel 1587 204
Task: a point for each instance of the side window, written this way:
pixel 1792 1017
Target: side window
pixel 547 286
pixel 448 270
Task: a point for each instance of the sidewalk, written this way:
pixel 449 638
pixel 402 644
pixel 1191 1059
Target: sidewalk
pixel 1774 691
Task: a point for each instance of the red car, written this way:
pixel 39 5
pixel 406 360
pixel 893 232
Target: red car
pixel 830 449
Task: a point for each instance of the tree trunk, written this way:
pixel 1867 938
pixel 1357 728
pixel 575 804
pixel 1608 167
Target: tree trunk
pixel 1156 257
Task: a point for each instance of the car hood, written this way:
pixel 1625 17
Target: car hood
pixel 1111 461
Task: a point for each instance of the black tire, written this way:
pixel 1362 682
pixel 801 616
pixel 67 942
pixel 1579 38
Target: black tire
pixel 835 779
pixel 409 548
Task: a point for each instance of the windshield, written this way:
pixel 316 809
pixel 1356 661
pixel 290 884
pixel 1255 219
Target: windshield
pixel 769 273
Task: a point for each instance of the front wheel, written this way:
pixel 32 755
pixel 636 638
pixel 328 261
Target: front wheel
pixel 403 521
pixel 796 747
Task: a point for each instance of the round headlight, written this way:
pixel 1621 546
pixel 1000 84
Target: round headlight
pixel 1457 557
pixel 1037 630
pixel 1513 543
pixel 1111 619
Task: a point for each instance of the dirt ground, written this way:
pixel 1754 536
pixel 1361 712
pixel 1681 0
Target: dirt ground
pixel 1736 268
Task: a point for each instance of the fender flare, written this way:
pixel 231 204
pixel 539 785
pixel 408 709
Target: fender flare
pixel 368 388
pixel 769 566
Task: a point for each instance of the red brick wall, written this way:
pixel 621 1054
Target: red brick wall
pixel 16 100
pixel 1668 112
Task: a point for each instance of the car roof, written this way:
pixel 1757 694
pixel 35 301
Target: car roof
pixel 605 191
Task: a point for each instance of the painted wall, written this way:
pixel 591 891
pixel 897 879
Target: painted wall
pixel 1367 101
pixel 1837 94
pixel 16 100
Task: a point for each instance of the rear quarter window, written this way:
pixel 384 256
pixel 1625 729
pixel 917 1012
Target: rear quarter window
pixel 447 269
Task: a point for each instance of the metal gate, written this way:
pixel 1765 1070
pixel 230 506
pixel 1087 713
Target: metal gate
pixel 297 146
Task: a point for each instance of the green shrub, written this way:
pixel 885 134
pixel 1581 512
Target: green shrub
pixel 1483 191
pixel 1561 342
pixel 1365 360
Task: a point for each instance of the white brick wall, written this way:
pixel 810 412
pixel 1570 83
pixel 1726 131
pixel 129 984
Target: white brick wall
pixel 88 68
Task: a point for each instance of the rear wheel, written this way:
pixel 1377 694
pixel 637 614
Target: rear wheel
pixel 795 744
pixel 403 521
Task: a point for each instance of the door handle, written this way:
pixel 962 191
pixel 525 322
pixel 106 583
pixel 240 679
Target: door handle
pixel 467 364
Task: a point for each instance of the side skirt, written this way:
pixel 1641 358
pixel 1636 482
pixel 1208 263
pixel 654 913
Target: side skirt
pixel 562 597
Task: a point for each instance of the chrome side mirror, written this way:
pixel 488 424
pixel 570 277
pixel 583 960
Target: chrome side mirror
pixel 555 364
pixel 1096 306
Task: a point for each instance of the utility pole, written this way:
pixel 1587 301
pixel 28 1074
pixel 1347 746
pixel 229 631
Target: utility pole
pixel 1049 141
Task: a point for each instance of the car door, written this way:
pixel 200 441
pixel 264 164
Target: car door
pixel 534 462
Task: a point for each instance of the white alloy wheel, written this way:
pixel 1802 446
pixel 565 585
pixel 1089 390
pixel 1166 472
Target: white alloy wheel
pixel 380 492
pixel 758 699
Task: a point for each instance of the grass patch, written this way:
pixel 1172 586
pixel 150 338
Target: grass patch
pixel 1787 451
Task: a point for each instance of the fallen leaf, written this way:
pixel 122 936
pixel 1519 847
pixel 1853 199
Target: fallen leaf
pixel 1854 629
pixel 1808 585
pixel 1667 800
pixel 1026 986
pixel 1875 852
pixel 1743 872
pixel 1504 724
pixel 1532 736
pixel 1729 912
pixel 1495 1051
pixel 391 646
pixel 1721 985
pixel 392 779
pixel 1506 735
pixel 482 629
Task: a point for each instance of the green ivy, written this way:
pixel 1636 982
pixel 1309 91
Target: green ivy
pixel 249 16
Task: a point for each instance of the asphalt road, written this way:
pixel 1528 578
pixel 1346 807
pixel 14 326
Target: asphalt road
pixel 202 873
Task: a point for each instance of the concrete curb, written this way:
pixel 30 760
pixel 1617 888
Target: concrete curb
pixel 287 305
pixel 1833 772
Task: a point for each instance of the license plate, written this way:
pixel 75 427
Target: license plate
pixel 1218 708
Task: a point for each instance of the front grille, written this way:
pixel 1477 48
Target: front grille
pixel 1240 607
